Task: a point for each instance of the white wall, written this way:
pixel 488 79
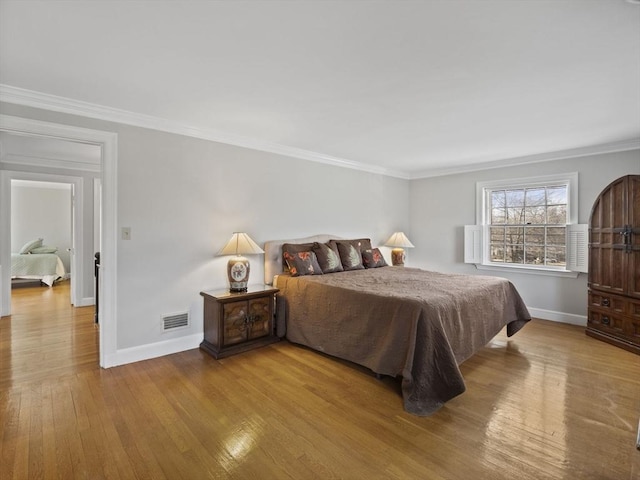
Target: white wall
pixel 441 206
pixel 41 210
pixel 183 197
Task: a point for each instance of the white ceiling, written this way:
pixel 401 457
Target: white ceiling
pixel 406 87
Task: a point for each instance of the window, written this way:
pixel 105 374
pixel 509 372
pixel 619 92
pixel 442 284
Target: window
pixel 525 224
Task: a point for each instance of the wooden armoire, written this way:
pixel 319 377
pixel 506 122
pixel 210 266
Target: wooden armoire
pixel 614 265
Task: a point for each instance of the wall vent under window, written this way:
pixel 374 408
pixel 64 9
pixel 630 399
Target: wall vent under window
pixel 176 320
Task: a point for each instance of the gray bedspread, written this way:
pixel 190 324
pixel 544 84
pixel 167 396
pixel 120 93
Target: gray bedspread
pixel 406 322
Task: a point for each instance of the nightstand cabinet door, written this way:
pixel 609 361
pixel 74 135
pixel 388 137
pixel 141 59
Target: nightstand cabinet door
pixel 260 317
pixel 237 322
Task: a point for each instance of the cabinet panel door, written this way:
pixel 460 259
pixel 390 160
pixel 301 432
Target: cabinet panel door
pixel 609 208
pixel 608 302
pixel 633 330
pixel 633 205
pixel 607 262
pixel 235 323
pixel 633 215
pixel 260 314
pixel 608 249
pixel 633 309
pixel 607 322
pixel 634 271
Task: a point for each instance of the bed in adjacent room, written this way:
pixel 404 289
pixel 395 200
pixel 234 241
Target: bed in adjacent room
pixel 403 322
pixel 36 261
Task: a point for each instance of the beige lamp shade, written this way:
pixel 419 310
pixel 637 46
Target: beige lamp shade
pixel 238 266
pixel 399 239
pixel 240 244
pixel 399 242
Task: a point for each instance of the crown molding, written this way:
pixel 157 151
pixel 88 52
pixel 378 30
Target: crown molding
pixel 622 146
pixel 30 98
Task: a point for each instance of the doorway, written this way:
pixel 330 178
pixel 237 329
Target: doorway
pixel 49 207
pixel 107 141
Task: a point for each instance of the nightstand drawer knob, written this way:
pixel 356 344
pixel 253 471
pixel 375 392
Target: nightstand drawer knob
pixel 606 302
pixel 606 321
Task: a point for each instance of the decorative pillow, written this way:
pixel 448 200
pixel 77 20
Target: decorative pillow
pixel 350 256
pixel 360 243
pixel 328 257
pixel 373 258
pixel 27 247
pixel 302 263
pixel 44 249
pixel 292 249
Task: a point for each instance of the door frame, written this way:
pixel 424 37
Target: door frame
pixel 76 259
pixel 108 141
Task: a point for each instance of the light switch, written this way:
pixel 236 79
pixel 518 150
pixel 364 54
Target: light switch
pixel 126 233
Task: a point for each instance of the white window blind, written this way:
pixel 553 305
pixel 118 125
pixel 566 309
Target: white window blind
pixel 473 244
pixel 578 247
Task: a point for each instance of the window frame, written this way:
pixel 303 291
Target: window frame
pixel 483 190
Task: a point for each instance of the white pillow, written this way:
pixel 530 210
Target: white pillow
pixel 27 247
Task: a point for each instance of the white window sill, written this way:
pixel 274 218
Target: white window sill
pixel 528 270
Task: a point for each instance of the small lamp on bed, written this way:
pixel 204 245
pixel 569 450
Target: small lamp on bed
pixel 238 266
pixel 398 241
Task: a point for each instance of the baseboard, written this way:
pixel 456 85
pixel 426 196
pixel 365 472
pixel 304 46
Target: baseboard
pixel 86 302
pixel 561 317
pixel 153 350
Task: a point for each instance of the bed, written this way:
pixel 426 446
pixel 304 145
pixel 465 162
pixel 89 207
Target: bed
pixel 398 321
pixel 46 267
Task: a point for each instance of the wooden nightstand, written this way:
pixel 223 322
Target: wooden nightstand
pixel 237 322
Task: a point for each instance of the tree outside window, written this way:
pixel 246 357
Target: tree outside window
pixel 528 225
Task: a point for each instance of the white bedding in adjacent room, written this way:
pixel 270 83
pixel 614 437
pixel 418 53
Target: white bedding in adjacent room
pixel 46 267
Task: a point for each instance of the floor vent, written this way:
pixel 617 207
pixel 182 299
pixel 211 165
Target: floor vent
pixel 177 320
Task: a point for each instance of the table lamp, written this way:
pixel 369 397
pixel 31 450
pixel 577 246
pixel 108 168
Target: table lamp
pixel 238 266
pixel 399 242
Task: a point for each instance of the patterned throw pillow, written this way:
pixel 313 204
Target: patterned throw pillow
pixel 328 257
pixel 293 249
pixel 359 243
pixel 350 256
pixel 373 258
pixel 302 263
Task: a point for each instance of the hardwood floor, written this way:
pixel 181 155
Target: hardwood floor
pixel 46 337
pixel 548 403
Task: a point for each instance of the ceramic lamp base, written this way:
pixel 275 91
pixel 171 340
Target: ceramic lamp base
pixel 397 257
pixel 238 273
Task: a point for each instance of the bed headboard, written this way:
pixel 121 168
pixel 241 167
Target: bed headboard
pixel 273 253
